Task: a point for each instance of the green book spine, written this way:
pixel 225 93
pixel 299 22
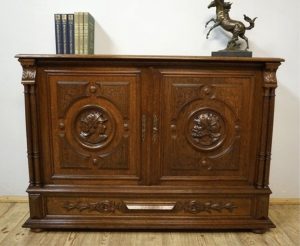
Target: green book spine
pixel 88 33
pixel 91 35
pixel 81 37
pixel 76 32
pixel 64 33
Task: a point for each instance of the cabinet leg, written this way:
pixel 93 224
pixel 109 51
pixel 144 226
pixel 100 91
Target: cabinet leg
pixel 36 230
pixel 259 231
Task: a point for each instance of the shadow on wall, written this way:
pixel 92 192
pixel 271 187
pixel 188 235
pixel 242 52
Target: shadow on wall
pixel 285 149
pixel 103 43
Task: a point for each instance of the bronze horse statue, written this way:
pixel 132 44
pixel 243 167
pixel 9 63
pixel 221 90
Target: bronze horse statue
pixel 237 28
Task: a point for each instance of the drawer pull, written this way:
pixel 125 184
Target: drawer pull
pixel 144 121
pixel 147 206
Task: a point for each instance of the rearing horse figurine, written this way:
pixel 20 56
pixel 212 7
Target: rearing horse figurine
pixel 237 28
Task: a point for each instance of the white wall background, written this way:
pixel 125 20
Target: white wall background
pixel 157 27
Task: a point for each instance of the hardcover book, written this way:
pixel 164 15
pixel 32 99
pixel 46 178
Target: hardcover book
pixel 71 48
pixel 58 34
pixel 88 33
pixel 64 33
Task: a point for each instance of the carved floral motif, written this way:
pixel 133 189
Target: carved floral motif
pixel 270 77
pixel 207 128
pixel 102 206
pixel 192 206
pixel 28 74
pixel 195 207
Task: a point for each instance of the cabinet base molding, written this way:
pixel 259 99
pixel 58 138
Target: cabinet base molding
pixel 149 223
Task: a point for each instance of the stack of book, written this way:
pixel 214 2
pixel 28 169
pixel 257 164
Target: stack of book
pixel 74 33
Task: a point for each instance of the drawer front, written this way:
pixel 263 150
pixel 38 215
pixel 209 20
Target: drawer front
pixel 94 117
pixel 109 206
pixel 207 131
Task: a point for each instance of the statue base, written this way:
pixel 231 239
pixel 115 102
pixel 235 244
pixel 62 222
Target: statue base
pixel 232 53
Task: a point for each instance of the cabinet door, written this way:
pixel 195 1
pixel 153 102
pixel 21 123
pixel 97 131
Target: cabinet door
pixel 94 120
pixel 205 124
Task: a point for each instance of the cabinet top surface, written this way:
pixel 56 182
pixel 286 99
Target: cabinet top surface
pixel 148 58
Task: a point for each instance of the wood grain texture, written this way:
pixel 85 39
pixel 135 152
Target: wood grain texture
pixel 149 142
pixel 13 215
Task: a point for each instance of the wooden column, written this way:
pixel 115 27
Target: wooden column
pixel 29 82
pixel 269 86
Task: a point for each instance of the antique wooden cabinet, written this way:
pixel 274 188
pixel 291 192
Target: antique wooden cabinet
pixel 135 142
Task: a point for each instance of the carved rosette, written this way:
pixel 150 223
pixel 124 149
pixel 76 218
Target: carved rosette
pixel 206 129
pixel 93 127
pixel 208 91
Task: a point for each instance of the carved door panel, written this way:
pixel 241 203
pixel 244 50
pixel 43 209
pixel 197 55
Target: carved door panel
pixel 205 127
pixel 94 117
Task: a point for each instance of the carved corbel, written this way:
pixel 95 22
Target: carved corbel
pixel 270 79
pixel 29 71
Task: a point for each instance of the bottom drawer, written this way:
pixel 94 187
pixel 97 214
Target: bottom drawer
pixel 216 207
pixel 149 211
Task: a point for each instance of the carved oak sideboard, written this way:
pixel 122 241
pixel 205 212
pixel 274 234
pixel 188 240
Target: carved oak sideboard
pixel 140 142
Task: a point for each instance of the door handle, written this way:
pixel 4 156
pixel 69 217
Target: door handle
pixel 144 125
pixel 155 128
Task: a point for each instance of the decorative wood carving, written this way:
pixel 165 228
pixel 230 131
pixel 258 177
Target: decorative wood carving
pixel 91 126
pixel 184 93
pixel 116 159
pixel 195 206
pixel 208 129
pixel 109 206
pixel 211 114
pixel 117 93
pixel 68 92
pixel 101 207
pixel 71 158
pixel 269 76
pixel 208 91
pixel 28 75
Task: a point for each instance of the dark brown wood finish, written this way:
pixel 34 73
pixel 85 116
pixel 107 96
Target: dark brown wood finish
pixel 149 142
